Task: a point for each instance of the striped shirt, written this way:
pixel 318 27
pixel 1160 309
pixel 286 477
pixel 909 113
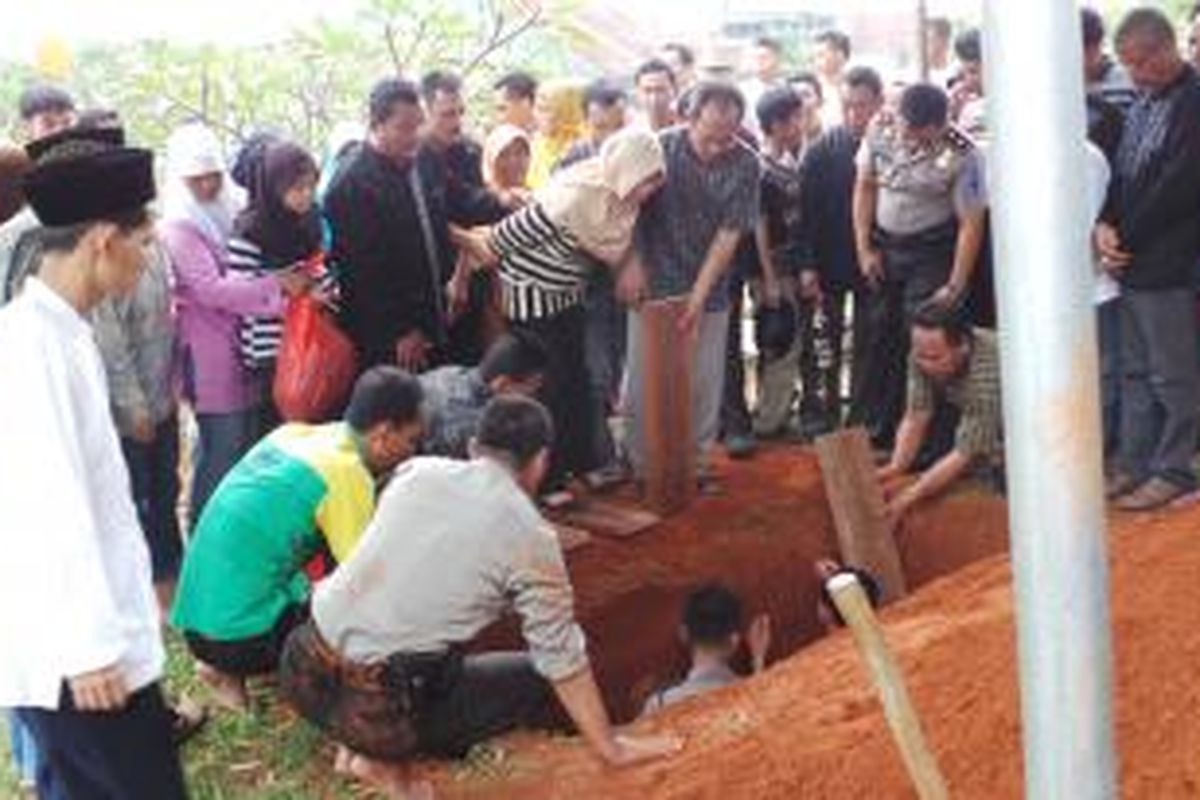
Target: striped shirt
pixel 542 270
pixel 975 393
pixel 260 336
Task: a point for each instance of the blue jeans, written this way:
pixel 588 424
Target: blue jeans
pixel 223 439
pixel 24 749
pixel 154 475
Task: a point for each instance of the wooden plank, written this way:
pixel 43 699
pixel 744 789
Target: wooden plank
pixel 898 708
pixel 670 469
pixel 604 518
pixel 570 537
pixel 859 512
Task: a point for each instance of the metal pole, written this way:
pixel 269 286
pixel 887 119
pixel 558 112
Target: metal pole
pixel 923 39
pixel 1036 171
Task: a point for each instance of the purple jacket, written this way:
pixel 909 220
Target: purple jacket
pixel 210 302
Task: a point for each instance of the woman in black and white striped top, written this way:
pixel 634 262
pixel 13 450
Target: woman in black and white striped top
pixel 541 251
pixel 279 230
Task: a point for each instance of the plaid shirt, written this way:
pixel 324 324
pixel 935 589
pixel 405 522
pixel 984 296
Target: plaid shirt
pixel 976 394
pixel 454 401
pixel 678 226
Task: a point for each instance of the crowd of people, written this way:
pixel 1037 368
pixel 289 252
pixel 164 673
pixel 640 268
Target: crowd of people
pixel 492 291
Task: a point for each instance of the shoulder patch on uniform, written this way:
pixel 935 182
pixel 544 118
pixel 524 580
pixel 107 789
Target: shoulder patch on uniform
pixel 959 139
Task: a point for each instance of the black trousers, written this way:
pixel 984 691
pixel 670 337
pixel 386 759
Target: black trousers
pixel 124 755
pixel 566 393
pixel 244 658
pixel 495 693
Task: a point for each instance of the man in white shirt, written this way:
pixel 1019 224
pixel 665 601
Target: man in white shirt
pixel 79 623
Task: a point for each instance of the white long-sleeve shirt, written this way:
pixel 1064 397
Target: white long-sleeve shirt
pixel 75 584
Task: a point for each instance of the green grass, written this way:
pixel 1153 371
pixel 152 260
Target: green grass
pixel 268 754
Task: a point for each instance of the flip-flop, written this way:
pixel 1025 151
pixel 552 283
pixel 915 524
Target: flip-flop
pixel 188 718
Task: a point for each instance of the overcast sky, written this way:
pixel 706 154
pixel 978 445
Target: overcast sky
pixel 235 21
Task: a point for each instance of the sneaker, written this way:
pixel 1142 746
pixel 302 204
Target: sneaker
pixel 1154 493
pixel 1119 484
pixel 740 446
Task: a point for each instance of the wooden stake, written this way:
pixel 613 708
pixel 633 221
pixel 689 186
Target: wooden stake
pixel 670 470
pixel 855 608
pixel 859 513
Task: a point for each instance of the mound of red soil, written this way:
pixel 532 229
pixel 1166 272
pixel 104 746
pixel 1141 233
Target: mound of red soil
pixel 811 727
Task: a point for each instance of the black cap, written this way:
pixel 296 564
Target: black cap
pixel 81 174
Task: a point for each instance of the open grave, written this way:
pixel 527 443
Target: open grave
pixel 761 537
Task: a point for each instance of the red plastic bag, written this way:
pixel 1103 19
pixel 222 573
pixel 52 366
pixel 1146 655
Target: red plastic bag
pixel 317 363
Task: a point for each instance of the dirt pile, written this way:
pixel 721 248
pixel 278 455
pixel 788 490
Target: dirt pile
pixel 810 726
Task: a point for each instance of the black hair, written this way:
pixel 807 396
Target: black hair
pixel 384 394
pixel 439 81
pixel 809 78
pixel 65 238
pixel 517 427
pixel 684 53
pixel 1093 27
pixel 968 46
pixel 865 78
pixel 777 106
pixel 836 40
pixel 941 26
pixel 514 355
pixel 248 161
pixel 711 614
pixel 1195 12
pixel 769 43
pixel 1149 23
pixel 923 105
pixel 44 98
pixel 653 67
pixel 708 93
pixel 99 118
pixel 936 317
pixel 604 93
pixel 389 93
pixel 519 84
pixel 866 579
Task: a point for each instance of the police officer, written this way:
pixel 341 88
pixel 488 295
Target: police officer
pixel 919 204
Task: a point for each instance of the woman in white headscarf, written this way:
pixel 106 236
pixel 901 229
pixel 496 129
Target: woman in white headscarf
pixel 199 206
pixel 589 209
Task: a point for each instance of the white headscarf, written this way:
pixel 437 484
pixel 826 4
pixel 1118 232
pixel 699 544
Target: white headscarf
pixel 589 198
pixel 192 151
pixel 494 146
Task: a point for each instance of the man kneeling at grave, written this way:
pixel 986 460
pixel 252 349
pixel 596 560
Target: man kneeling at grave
pixel 955 369
pixel 452 547
pixel 455 396
pixel 302 489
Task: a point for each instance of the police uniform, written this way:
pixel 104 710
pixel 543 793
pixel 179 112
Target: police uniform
pixel 922 191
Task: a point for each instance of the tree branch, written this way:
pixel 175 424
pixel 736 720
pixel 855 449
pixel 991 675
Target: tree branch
pixel 500 39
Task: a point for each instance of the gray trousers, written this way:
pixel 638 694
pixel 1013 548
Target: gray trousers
pixel 1160 385
pixel 708 386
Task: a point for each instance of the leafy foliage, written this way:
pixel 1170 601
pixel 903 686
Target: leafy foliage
pixel 316 76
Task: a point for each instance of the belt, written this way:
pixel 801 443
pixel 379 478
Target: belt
pixel 363 676
pixel 937 236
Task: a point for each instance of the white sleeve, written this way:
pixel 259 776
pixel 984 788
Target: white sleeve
pixel 49 485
